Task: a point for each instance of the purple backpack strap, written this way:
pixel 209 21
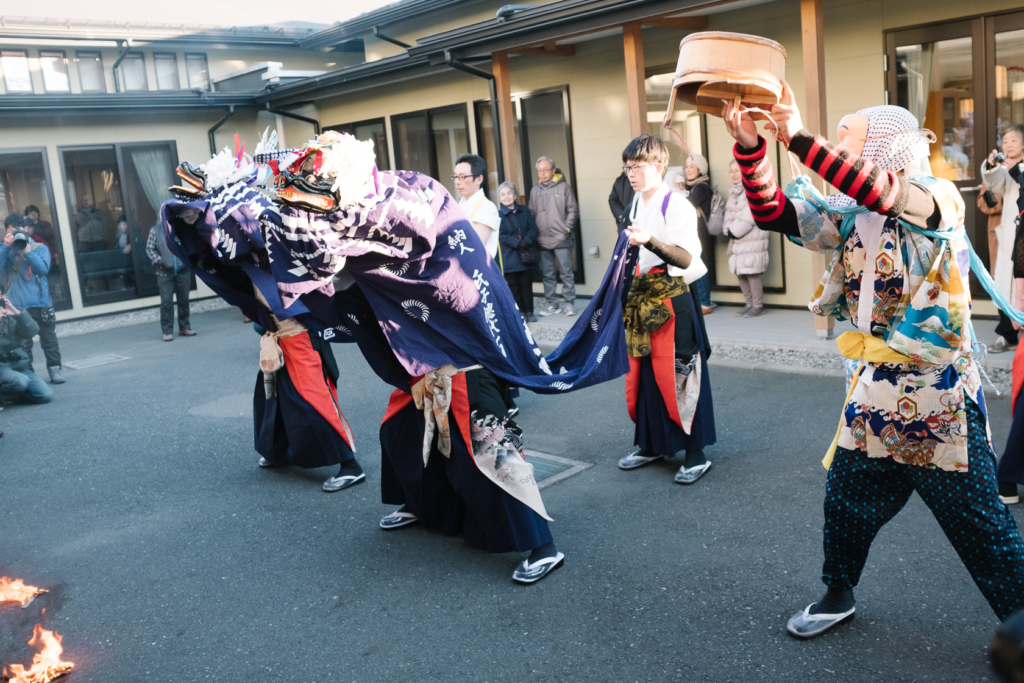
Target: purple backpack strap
pixel 664 205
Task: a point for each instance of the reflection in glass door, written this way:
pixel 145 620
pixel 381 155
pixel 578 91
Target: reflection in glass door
pixel 935 81
pixel 430 141
pixel 938 73
pixel 1009 77
pixel 114 194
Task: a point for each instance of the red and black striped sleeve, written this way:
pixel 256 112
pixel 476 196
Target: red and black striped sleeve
pixel 871 186
pixel 771 210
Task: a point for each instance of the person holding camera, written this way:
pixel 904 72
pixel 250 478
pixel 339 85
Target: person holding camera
pixel 518 239
pixel 24 265
pixel 17 381
pixel 996 172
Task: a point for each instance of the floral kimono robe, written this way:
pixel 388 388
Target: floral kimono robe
pixel 912 291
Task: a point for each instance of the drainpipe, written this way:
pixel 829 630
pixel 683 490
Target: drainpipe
pixel 495 128
pixel 288 114
pixel 127 45
pixel 393 41
pixel 223 120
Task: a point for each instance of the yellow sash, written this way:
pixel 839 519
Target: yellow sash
pixel 865 348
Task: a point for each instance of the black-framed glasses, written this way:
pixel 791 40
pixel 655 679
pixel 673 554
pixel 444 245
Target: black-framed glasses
pixel 462 177
pixel 632 169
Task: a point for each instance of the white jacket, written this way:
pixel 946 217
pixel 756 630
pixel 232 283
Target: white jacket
pixel 677 227
pixel 749 243
pixel 1002 183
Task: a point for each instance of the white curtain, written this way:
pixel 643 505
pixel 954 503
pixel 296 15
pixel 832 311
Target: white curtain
pixel 919 76
pixel 155 173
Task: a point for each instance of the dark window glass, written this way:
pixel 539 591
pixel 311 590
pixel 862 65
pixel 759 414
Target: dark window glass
pixel 485 143
pixel 430 141
pixel 114 194
pixel 369 130
pixel 412 143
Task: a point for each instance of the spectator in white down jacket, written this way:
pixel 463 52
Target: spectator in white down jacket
pixel 748 245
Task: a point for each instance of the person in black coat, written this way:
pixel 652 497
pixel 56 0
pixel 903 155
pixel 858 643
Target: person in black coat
pixel 518 232
pixel 620 200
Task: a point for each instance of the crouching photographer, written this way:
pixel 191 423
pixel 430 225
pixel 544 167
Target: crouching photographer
pixel 17 381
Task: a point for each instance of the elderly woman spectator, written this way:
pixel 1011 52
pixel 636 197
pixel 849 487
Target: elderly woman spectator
pixel 517 237
pixel 748 245
pixel 998 178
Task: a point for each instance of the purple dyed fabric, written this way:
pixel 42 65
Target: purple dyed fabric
pixel 436 294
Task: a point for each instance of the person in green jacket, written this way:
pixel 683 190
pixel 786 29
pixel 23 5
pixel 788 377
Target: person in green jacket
pixel 17 380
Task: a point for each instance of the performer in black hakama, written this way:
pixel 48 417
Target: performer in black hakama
pixel 668 392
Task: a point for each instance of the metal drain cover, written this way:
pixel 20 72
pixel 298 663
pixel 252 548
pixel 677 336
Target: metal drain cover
pixel 550 469
pixel 94 361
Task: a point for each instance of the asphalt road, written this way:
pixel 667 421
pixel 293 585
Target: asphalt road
pixel 135 497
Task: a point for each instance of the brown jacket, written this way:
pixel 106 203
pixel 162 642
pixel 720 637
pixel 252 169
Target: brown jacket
pixel 555 210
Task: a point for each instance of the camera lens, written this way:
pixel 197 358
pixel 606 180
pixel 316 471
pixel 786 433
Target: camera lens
pixel 1000 157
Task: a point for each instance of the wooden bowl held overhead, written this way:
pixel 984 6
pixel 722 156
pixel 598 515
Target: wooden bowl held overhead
pixel 715 67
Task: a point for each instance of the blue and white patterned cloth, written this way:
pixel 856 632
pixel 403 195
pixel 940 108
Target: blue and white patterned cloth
pixel 438 297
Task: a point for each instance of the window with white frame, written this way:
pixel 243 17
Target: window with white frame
pixel 17 77
pixel 166 66
pixel 54 68
pixel 90 71
pixel 198 72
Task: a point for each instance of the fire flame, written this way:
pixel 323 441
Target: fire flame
pixel 15 590
pixel 46 664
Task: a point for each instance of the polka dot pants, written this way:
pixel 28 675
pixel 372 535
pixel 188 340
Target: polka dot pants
pixel 862 494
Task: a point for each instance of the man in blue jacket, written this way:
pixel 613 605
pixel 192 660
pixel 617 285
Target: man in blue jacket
pixel 23 268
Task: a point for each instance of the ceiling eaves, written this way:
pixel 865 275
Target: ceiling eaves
pixel 547 22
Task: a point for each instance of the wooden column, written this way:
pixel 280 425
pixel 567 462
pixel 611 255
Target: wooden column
pixel 636 93
pixel 815 118
pixel 506 133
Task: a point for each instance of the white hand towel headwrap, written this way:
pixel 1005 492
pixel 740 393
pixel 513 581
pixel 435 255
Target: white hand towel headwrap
pixel 896 142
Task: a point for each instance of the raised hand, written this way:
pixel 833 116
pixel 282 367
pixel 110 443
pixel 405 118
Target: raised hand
pixel 787 117
pixel 739 125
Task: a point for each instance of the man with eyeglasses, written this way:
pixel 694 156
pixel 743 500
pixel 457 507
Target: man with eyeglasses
pixel 555 210
pixel 481 211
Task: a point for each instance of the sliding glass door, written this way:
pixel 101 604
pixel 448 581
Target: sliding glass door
pixel 114 194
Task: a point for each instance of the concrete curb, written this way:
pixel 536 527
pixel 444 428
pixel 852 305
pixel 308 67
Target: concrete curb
pixel 74 328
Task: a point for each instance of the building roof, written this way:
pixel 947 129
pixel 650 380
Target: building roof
pixel 401 10
pixel 291 35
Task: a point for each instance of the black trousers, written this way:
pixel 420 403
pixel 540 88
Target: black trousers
pixel 47 321
pixel 862 494
pixel 171 285
pixel 1005 329
pixel 521 284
